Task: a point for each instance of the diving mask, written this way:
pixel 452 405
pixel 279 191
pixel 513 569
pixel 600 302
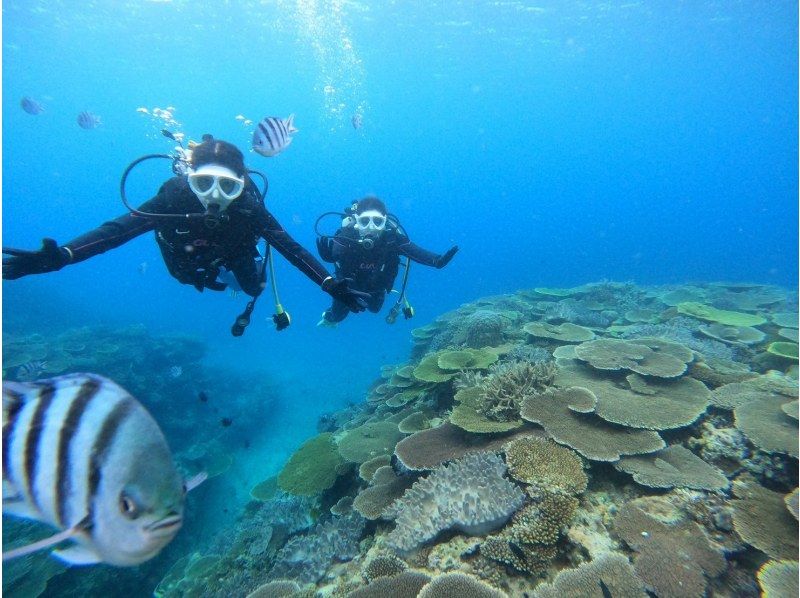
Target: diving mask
pixel 370 223
pixel 215 185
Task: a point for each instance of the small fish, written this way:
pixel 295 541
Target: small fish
pixel 272 135
pixel 357 120
pixel 175 371
pixel 604 589
pixel 202 396
pixel 247 122
pixel 241 117
pixel 143 110
pixel 31 106
pixel 226 421
pixel 82 455
pixel 31 370
pixel 87 120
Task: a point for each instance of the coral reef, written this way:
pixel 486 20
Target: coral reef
pixel 674 466
pixel 458 585
pixel 312 468
pixel 673 560
pixel 761 518
pixel 613 569
pixel 521 450
pixel 778 579
pixel 307 557
pixel 469 494
pixel 545 464
pixel 565 415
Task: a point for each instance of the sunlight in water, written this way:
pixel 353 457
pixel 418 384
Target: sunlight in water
pixel 321 26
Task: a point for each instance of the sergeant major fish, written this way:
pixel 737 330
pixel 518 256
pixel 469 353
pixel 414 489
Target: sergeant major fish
pixel 83 455
pixel 272 135
pixel 87 120
pixel 31 106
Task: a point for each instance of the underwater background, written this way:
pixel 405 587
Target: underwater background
pixel 558 144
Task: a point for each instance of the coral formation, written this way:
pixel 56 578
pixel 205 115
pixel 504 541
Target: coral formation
pixel 674 466
pixel 613 569
pixel 403 585
pixel 673 560
pixel 766 425
pixel 385 489
pixel 306 557
pixel 430 448
pixel 469 494
pixel 761 518
pixel 383 565
pixel 712 314
pixel 566 332
pixel 792 501
pixel 369 441
pixel 591 436
pixel 646 356
pixel 312 468
pixel 280 588
pixel 545 464
pixel 778 579
pixel 458 585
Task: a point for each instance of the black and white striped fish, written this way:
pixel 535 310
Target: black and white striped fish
pixel 83 455
pixel 31 370
pixel 87 120
pixel 273 135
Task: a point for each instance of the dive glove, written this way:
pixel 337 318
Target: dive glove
pixel 339 289
pixel 443 260
pixel 22 262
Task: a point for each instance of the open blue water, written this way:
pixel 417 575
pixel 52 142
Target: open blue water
pixel 556 142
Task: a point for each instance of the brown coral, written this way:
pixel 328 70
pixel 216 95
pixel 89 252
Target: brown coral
pixel 672 560
pixel 761 518
pixel 459 585
pixel 674 466
pixel 544 463
pixel 430 448
pixel 612 569
pixel 591 436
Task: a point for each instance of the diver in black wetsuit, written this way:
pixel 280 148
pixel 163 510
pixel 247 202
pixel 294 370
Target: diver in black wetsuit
pixel 216 221
pixel 366 251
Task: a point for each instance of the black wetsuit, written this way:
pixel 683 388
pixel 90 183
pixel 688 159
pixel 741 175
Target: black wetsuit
pixel 372 270
pixel 193 252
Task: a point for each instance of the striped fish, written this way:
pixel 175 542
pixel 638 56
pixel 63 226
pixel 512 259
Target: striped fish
pixel 31 370
pixel 83 455
pixel 87 120
pixel 272 135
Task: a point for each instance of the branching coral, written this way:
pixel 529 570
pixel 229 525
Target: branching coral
pixel 503 391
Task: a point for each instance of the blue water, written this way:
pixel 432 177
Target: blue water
pixel 555 142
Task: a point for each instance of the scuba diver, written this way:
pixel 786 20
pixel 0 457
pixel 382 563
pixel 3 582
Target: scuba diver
pixel 366 250
pixel 208 217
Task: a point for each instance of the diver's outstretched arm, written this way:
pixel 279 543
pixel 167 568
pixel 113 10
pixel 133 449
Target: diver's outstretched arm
pixel 425 257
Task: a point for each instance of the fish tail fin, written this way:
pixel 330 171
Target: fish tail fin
pixel 289 122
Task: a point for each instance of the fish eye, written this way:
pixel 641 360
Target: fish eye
pixel 128 507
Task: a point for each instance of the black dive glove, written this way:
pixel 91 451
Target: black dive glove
pixel 49 258
pixel 339 289
pixel 443 260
